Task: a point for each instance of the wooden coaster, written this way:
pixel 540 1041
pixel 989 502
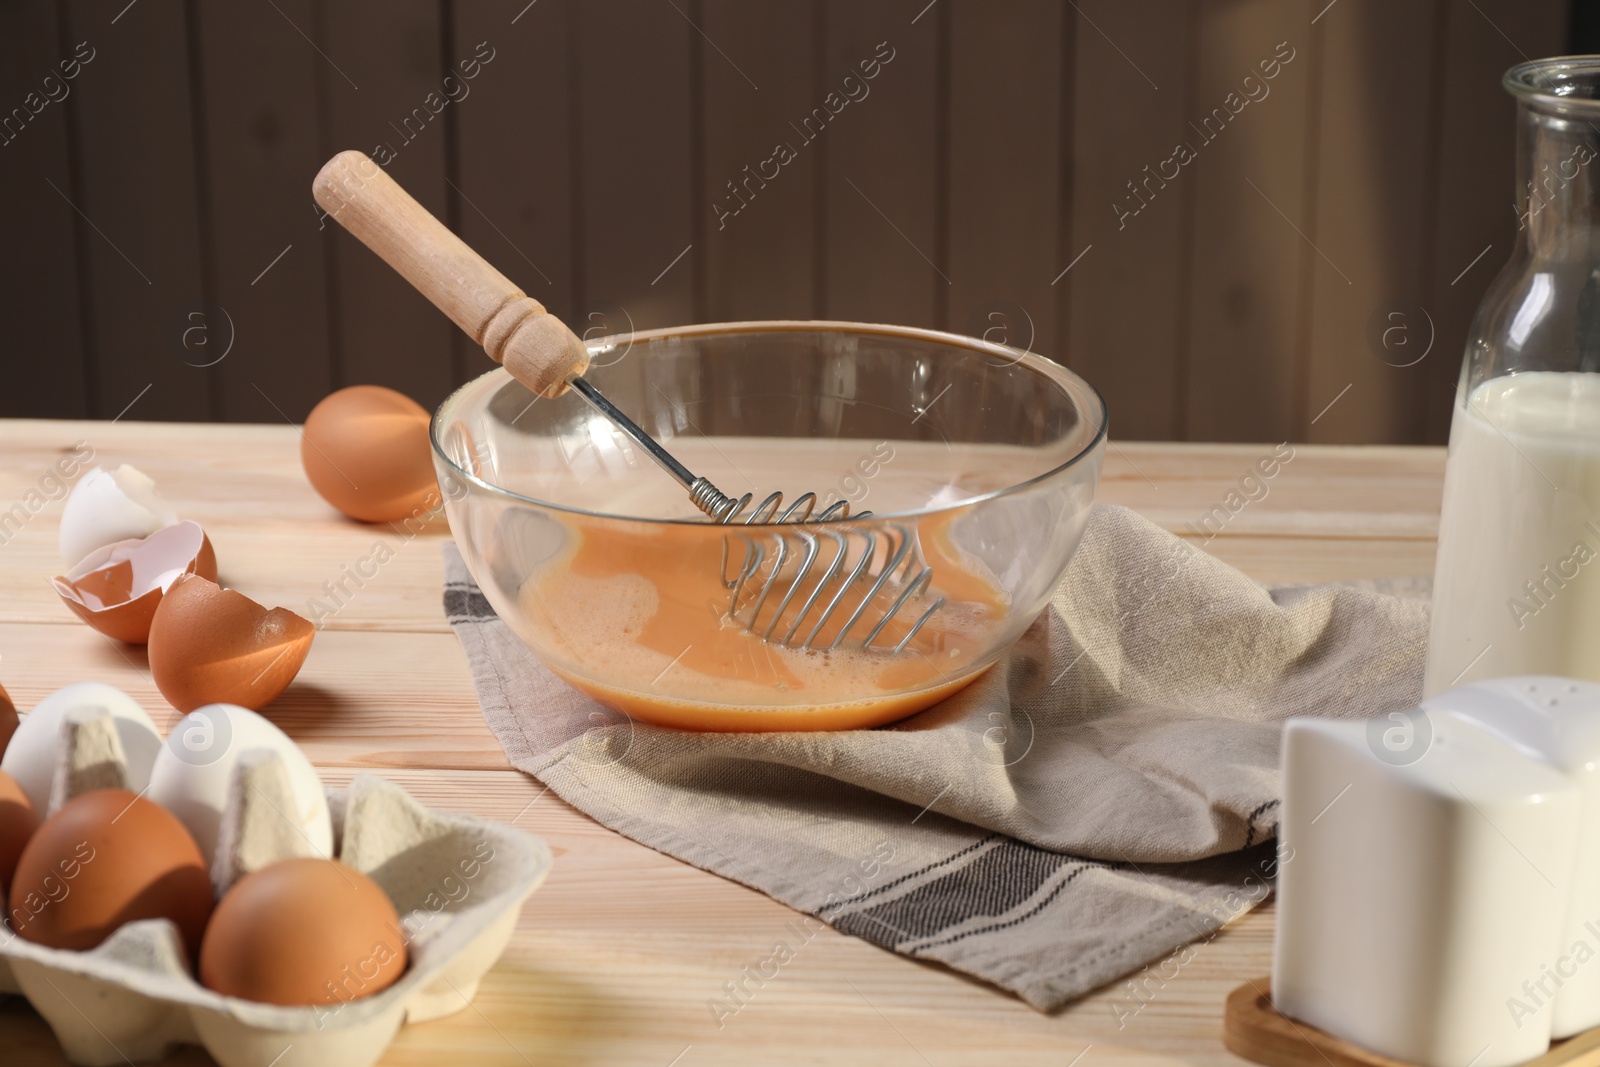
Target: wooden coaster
pixel 1254 1029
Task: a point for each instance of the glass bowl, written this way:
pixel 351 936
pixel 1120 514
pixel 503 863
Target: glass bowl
pixel 981 460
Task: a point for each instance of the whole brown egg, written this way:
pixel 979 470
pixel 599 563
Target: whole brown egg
pixel 366 451
pixel 8 719
pixel 303 932
pixel 106 858
pixel 18 821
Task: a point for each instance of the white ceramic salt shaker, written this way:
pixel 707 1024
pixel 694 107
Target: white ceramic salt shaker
pixel 1425 866
pixel 1557 721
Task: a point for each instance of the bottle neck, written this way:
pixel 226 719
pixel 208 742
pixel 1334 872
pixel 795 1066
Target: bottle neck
pixel 1558 184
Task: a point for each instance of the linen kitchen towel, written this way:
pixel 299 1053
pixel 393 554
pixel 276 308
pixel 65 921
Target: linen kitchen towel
pixel 1095 801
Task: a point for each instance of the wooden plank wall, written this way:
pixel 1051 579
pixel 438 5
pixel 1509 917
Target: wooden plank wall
pixel 1078 177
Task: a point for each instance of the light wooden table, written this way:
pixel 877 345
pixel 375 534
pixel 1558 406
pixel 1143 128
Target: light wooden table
pixel 616 957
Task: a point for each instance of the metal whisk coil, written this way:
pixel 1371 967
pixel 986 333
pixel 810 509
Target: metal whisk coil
pixel 787 560
pixel 776 558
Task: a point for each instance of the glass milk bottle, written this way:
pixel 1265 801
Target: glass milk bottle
pixel 1517 583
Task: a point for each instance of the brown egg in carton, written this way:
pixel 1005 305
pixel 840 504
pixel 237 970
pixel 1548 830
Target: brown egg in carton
pixel 135 997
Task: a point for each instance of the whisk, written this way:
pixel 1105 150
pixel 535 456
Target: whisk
pixel 786 559
pixel 805 579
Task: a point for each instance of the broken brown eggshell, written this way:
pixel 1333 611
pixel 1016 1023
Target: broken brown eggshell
pixel 210 645
pixel 116 588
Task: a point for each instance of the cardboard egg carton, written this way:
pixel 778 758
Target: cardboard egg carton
pixel 457 882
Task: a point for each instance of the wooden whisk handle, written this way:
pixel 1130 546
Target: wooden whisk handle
pixel 515 329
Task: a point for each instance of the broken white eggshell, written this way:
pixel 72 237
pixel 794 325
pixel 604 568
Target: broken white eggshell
pixel 108 506
pixel 117 587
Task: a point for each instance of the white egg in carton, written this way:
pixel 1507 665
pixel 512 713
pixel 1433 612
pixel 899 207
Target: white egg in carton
pixel 457 882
